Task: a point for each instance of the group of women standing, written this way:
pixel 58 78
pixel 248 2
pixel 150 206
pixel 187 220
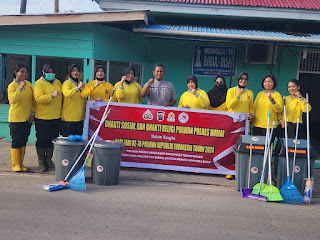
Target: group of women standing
pixel 60 108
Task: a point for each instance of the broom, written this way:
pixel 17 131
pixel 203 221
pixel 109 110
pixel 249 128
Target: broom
pixel 271 192
pixel 78 181
pixel 289 191
pixel 258 187
pixel 245 191
pixel 295 149
pixel 309 181
pixel 63 184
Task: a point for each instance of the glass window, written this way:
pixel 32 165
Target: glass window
pixel 60 66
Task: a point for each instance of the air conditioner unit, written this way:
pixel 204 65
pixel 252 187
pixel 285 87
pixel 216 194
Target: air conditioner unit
pixel 260 53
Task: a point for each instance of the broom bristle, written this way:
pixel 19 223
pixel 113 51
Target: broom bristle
pixel 272 193
pixel 78 181
pixel 290 193
pixel 255 189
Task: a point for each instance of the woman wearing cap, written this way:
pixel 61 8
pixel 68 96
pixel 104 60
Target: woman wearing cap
pixel 99 89
pixel 296 104
pixel 21 115
pixel 73 107
pixel 265 100
pixel 240 99
pixel 47 93
pixel 128 91
pixel 217 95
pixel 194 97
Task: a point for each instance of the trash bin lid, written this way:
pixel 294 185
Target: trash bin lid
pixel 301 148
pixel 65 142
pixel 108 144
pixel 258 143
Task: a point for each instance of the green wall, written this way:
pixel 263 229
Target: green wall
pixel 56 40
pixel 176 55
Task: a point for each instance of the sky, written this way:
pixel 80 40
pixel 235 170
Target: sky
pixel 8 7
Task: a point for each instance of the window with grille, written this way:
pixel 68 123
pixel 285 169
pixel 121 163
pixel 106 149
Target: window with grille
pixel 310 62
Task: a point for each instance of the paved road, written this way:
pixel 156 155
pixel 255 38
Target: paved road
pixel 146 204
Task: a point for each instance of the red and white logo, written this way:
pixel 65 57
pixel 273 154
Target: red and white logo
pixel 65 162
pixel 254 170
pixel 183 117
pixel 297 169
pixel 255 139
pixel 99 168
pixel 298 141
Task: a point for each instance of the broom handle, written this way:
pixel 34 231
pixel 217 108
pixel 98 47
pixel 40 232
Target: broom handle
pixel 265 151
pixel 295 150
pixel 104 116
pixel 286 133
pixel 270 151
pixel 250 159
pixel 101 122
pixel 308 137
pixel 270 156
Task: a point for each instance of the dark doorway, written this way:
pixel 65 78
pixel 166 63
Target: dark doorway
pixel 310 83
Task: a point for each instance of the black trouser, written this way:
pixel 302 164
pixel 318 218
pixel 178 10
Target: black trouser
pixel 46 131
pixel 19 132
pixel 74 128
pixel 292 131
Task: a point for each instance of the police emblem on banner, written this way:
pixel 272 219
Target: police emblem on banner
pixel 147 115
pixel 160 116
pixel 171 117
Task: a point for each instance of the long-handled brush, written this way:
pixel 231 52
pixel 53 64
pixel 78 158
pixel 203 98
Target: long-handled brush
pixel 289 191
pixel 309 181
pixel 78 181
pixel 258 187
pixel 245 191
pixel 295 150
pixel 271 192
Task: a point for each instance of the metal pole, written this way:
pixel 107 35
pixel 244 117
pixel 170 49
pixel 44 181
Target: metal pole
pixel 56 6
pixel 23 6
pixel 232 64
pixel 273 51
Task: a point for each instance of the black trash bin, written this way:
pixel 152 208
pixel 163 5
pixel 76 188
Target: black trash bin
pixel 301 166
pixel 106 162
pixel 242 160
pixel 66 154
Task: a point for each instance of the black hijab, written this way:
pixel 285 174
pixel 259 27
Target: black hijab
pixel 217 95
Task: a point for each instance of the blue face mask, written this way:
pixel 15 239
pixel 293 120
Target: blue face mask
pixel 49 76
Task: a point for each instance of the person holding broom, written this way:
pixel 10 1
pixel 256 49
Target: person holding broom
pixel 296 104
pixel 99 89
pixel 127 90
pixel 21 115
pixel 265 100
pixel 240 99
pixel 73 107
pixel 47 93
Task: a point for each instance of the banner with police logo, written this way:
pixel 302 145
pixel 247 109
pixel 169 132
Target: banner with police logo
pixel 170 138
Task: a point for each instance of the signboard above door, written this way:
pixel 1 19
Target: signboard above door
pixel 214 60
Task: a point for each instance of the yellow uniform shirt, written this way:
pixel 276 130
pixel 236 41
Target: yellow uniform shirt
pixel 261 106
pixel 222 107
pixel 73 107
pixel 21 101
pixel 47 106
pixel 128 93
pixel 103 91
pixel 295 107
pixel 201 101
pixel 243 103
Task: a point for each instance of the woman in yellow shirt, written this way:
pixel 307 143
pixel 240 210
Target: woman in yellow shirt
pixel 127 90
pixel 73 107
pixel 47 94
pixel 194 97
pixel 217 95
pixel 296 104
pixel 265 100
pixel 99 89
pixel 21 115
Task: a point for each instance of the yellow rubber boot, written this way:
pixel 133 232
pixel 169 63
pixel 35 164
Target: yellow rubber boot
pixel 22 153
pixel 229 177
pixel 15 158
